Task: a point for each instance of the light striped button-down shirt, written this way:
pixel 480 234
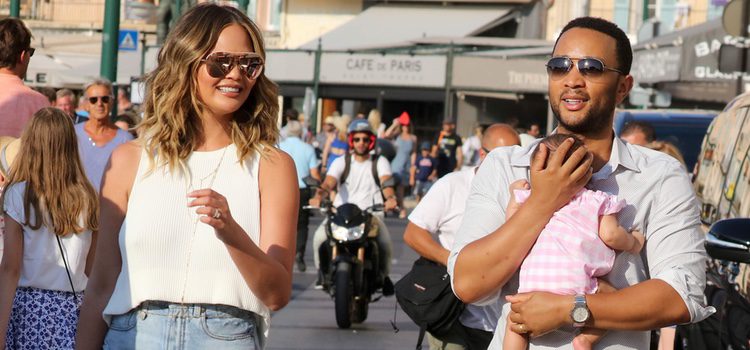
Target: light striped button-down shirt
pixel 661 204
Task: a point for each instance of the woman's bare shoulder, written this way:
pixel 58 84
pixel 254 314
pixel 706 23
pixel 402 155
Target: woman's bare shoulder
pixel 127 155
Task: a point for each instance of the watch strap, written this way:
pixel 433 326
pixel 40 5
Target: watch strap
pixel 580 302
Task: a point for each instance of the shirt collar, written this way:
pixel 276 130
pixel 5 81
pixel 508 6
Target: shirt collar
pixel 620 155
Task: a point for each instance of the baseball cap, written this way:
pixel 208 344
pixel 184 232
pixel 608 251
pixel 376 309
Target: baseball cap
pixel 404 118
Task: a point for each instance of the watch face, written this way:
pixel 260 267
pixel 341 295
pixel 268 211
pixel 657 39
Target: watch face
pixel 580 314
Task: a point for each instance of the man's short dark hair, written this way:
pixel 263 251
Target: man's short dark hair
pixel 635 126
pixel 624 51
pixel 291 114
pixel 14 39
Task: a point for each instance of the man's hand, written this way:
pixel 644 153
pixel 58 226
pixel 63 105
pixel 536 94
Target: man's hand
pixel 314 202
pixel 538 313
pixel 390 203
pixel 556 180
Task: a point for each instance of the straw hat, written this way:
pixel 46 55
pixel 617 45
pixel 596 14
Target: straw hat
pixel 8 151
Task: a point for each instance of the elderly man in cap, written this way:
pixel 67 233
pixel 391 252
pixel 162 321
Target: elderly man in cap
pixel 307 165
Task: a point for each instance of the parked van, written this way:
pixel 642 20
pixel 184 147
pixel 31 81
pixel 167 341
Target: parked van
pixel 683 128
pixel 722 178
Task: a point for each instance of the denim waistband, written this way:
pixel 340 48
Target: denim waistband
pixel 165 308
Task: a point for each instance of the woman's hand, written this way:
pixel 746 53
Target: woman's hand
pixel 556 180
pixel 214 209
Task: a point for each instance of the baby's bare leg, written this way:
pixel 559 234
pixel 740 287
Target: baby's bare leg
pixel 587 338
pixel 617 237
pixel 513 340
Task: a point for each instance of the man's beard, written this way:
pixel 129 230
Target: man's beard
pixel 595 120
pixel 365 152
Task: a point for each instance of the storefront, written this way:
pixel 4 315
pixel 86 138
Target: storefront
pixel 419 62
pixel 685 64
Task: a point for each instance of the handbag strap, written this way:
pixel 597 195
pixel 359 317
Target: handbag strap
pixel 65 261
pixel 422 331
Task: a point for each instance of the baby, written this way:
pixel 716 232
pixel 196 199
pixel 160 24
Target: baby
pixel 579 239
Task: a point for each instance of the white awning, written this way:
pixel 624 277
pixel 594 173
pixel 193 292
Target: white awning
pixel 383 25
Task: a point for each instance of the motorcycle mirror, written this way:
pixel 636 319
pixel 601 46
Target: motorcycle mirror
pixel 729 239
pixel 310 181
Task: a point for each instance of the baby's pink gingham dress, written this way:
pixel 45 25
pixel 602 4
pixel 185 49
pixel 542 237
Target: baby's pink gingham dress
pixel 569 255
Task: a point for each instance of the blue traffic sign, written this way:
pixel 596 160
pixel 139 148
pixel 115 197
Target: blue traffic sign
pixel 128 40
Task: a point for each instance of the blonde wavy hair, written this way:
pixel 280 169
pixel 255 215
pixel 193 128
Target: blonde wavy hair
pixel 57 189
pixel 171 124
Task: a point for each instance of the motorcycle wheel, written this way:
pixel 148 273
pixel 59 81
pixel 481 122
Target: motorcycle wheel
pixel 360 310
pixel 343 298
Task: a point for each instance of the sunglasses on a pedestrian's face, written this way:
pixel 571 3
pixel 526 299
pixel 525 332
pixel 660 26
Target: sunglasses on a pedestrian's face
pixel 592 69
pixel 360 139
pixel 94 99
pixel 30 51
pixel 219 64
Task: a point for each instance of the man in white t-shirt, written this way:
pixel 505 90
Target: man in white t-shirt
pixel 441 213
pixel 360 188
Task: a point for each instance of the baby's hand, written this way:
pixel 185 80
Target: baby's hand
pixel 512 204
pixel 638 240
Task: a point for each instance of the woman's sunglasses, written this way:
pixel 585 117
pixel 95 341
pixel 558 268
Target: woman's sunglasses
pixel 94 99
pixel 589 67
pixel 219 64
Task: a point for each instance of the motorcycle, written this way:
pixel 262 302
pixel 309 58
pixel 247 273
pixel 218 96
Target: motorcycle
pixel 728 244
pixel 350 265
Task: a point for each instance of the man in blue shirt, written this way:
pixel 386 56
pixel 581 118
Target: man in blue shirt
pixel 307 165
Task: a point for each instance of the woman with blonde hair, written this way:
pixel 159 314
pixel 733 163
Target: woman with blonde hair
pixel 336 145
pixel 197 243
pixel 668 148
pixel 51 216
pixel 376 123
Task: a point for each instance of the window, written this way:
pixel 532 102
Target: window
pixel 622 14
pixel 252 10
pixel 274 15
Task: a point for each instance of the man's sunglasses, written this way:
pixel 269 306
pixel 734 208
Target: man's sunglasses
pixel 94 99
pixel 219 64
pixel 360 139
pixel 589 67
pixel 30 51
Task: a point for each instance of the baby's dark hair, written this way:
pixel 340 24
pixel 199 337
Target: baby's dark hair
pixel 555 140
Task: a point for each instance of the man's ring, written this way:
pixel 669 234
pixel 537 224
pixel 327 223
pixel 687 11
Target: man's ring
pixel 217 213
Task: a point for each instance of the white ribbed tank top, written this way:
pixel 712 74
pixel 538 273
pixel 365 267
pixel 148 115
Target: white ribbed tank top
pixel 156 236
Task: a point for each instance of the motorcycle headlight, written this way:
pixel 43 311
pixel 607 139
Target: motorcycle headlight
pixel 342 233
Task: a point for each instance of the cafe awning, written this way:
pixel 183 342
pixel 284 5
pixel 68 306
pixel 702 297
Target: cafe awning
pixel 395 25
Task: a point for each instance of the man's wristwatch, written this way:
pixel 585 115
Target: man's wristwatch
pixel 580 312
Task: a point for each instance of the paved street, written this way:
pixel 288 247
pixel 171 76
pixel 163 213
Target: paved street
pixel 308 322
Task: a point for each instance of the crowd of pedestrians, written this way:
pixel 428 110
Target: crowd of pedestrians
pixel 183 222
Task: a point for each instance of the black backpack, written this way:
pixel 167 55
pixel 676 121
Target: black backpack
pixel 426 296
pixel 348 165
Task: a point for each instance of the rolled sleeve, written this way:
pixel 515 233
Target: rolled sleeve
pixel 485 211
pixel 675 243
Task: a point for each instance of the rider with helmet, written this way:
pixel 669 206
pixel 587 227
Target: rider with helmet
pixel 357 180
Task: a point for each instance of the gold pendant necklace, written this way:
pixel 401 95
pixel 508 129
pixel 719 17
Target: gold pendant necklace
pixel 189 188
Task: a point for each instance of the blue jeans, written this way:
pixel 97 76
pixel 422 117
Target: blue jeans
pixel 163 325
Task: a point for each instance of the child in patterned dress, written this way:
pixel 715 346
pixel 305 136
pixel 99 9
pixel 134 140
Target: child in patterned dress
pixel 574 248
pixel 51 215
